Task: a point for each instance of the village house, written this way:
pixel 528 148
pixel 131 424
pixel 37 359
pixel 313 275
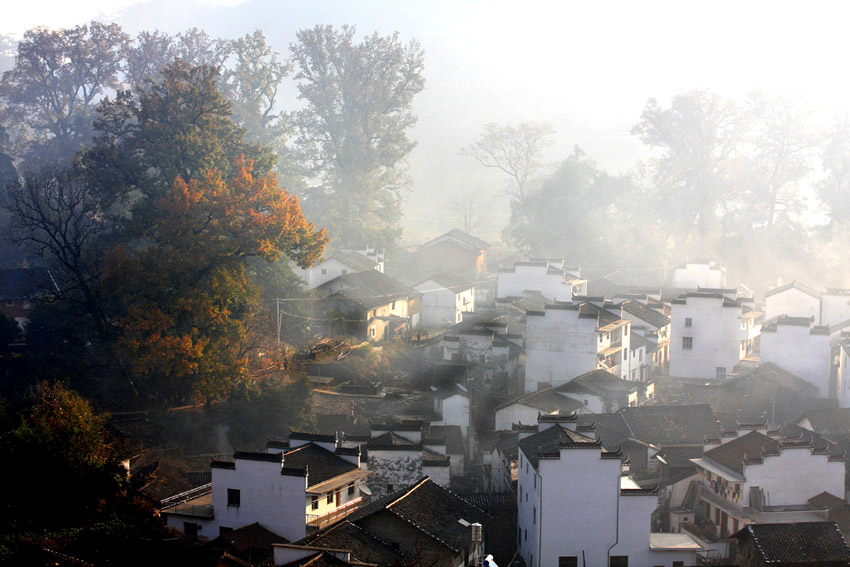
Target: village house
pixel 842 381
pixel 699 274
pixel 565 340
pixel 452 405
pixel 445 297
pixel 309 480
pixel 526 408
pixel 835 306
pixel 791 545
pixel 339 264
pixel 455 251
pixel 484 343
pixel 800 347
pixel 398 454
pixel 654 326
pixel 758 478
pixel 710 334
pixel 577 507
pixel 600 391
pixel 418 524
pixel 552 279
pixel 369 305
pixel 793 299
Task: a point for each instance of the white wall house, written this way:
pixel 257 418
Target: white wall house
pixel 453 406
pixel 794 300
pixel 339 264
pixel 654 326
pixel 707 335
pixel 555 281
pixel 566 340
pixel 694 275
pixel 284 489
pixel 760 479
pixel 445 297
pixel 843 378
pixel 576 507
pixel 800 347
pixel 835 306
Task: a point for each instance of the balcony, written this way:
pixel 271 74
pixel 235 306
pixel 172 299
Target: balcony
pixel 319 522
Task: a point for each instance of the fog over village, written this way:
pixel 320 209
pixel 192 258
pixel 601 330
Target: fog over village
pixel 424 284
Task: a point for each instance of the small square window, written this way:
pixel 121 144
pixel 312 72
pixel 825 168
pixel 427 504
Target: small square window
pixel 315 503
pixel 330 499
pixel 324 271
pixel 720 372
pixel 687 342
pixel 190 528
pixel 569 561
pixel 234 497
pixel 688 322
pixel 619 561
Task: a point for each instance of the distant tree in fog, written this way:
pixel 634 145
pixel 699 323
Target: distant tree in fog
pixel 699 135
pixel 580 211
pixel 783 147
pixel 834 188
pixel 50 94
pixel 514 150
pixel 353 133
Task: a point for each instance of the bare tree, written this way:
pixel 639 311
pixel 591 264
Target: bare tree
pixel 469 207
pixel 514 150
pixel 58 216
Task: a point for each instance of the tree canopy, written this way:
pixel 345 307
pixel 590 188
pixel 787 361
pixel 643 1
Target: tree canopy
pixel 353 133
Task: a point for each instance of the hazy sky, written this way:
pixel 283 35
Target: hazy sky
pixel 586 67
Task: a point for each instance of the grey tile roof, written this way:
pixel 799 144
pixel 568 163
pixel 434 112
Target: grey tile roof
pixel 463 238
pixel 551 440
pixel 449 280
pixel 363 546
pixel 371 288
pixel 796 544
pixel 833 423
pixel 320 463
pixel 355 260
pixel 731 454
pixel 547 400
pixel 795 285
pixel 672 425
pixel 644 313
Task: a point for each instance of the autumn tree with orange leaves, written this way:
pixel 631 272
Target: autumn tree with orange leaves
pixel 189 203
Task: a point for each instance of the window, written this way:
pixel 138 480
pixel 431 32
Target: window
pixel 190 528
pixel 600 337
pixel 619 561
pixel 535 481
pixel 330 499
pixel 234 498
pixel 389 488
pixel 625 353
pixel 518 536
pixel 315 503
pixel 687 342
pixel 393 307
pixel 351 489
pixel 570 561
pixel 720 372
pixel 534 516
pixel 224 530
pixel 689 322
pixel 324 271
pixel 626 331
pixel 640 356
pixel 526 534
pixel 678 564
pixel 10 302
pixel 520 493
